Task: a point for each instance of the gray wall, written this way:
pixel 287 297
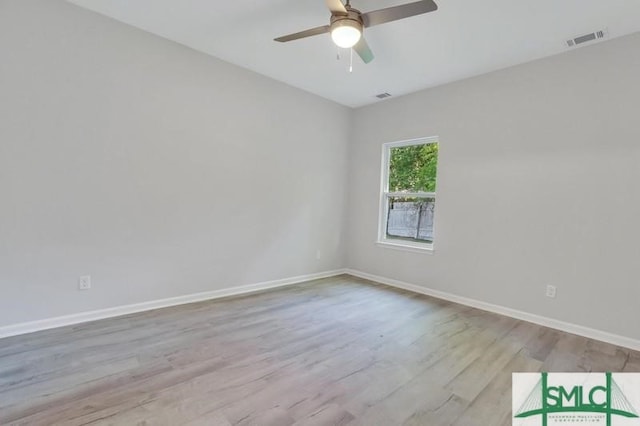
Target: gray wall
pixel 134 159
pixel 158 170
pixel 537 184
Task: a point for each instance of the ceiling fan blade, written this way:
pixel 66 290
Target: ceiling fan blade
pixel 303 34
pixel 336 6
pixel 394 13
pixel 363 50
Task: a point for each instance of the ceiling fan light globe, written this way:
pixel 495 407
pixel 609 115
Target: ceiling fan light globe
pixel 346 33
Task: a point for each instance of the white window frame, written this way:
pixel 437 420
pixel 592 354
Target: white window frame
pixel 385 195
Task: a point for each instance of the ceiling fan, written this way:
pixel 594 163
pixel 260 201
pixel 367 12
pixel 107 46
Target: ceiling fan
pixel 346 24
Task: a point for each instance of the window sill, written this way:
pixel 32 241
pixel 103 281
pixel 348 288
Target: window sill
pixel 422 248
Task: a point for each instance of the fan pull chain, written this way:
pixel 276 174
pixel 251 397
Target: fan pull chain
pixel 351 62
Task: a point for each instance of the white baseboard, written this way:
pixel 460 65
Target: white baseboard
pixel 502 310
pixel 32 326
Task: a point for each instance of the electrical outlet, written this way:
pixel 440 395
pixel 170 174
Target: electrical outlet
pixel 318 254
pixel 551 291
pixel 84 282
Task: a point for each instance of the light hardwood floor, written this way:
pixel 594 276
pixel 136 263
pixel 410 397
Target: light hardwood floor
pixel 338 351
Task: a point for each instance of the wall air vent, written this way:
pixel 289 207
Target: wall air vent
pixel 383 95
pixel 586 38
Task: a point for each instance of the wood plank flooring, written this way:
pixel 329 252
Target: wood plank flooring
pixel 338 351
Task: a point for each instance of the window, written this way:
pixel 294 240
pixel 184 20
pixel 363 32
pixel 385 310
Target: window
pixel 408 199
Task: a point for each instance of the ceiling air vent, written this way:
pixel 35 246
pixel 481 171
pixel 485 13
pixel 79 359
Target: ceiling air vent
pixel 585 38
pixel 383 95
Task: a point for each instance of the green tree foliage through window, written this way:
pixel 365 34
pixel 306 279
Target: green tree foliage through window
pixel 413 168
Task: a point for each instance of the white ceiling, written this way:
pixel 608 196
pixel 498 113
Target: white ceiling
pixel 461 39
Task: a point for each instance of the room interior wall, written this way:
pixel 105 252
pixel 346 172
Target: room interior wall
pixel 157 170
pixel 537 185
pixel 163 172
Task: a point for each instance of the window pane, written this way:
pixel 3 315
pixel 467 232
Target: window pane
pixel 413 168
pixel 410 219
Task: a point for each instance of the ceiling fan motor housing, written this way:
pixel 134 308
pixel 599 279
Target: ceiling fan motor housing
pixel 352 18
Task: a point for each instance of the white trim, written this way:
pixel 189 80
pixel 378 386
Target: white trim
pixel 415 141
pixel 590 333
pixel 411 195
pixel 423 248
pixel 32 326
